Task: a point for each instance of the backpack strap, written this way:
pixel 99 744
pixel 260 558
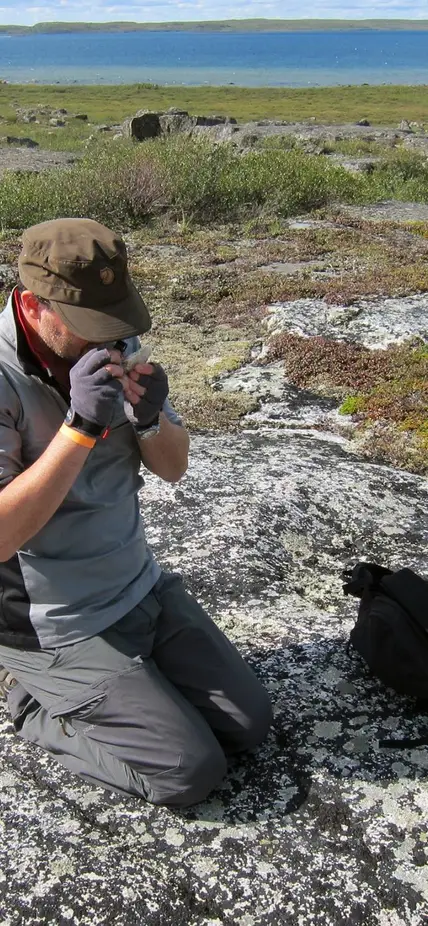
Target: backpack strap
pixel 364 579
pixel 410 591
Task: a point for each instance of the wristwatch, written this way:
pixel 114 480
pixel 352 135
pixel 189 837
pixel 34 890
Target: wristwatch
pixel 148 430
pixel 75 421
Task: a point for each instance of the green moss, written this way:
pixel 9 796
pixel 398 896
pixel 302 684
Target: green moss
pixel 352 405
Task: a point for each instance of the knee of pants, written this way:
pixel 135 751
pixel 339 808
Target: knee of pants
pixel 191 781
pixel 258 722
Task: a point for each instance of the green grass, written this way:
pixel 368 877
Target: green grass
pixel 381 105
pixel 71 138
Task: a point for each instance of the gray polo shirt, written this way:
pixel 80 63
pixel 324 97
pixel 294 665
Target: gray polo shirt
pixel 90 564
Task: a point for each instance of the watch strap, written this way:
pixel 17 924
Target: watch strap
pixel 147 430
pixel 83 425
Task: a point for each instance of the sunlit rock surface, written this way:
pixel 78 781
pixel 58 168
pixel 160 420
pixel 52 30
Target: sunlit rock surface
pixel 322 826
pixel 373 323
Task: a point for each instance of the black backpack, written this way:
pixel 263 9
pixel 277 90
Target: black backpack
pixel 391 630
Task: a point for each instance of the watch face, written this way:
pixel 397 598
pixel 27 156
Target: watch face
pixel 148 432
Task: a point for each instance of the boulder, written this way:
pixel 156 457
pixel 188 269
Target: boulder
pixel 363 122
pixel 146 124
pixel 142 126
pixel 82 116
pixel 176 121
pixel 223 132
pixel 57 123
pixel 21 142
pixel 357 165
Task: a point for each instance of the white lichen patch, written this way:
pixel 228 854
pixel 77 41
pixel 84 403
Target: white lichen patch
pixel 327 730
pixel 373 323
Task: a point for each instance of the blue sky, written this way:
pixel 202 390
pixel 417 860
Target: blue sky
pixel 167 10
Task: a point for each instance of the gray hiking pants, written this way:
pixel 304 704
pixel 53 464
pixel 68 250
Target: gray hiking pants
pixel 150 707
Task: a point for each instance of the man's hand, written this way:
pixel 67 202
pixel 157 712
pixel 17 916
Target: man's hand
pixel 93 386
pixel 145 388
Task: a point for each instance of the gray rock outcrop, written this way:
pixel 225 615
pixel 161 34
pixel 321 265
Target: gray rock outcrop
pixel 310 136
pixel 146 124
pixel 17 158
pixel 321 825
pixel 261 528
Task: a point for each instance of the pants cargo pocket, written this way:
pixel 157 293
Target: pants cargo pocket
pixel 76 717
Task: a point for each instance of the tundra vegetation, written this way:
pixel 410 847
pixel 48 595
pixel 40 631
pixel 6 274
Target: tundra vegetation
pixel 208 224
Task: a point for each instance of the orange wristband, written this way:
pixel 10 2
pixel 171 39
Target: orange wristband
pixel 77 437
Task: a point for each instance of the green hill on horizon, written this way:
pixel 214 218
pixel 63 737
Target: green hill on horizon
pixel 226 25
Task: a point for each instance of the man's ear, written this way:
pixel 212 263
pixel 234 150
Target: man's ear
pixel 30 304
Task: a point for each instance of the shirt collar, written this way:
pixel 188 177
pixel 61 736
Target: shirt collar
pixel 19 342
pixel 14 335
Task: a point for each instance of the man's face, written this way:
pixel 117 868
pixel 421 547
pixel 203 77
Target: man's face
pixel 58 338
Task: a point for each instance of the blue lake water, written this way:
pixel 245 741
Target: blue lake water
pixel 293 59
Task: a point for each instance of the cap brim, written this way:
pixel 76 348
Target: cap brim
pixel 120 320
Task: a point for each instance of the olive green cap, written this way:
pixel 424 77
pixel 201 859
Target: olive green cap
pixel 81 267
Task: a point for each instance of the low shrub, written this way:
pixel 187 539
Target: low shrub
pixel 345 364
pixel 122 184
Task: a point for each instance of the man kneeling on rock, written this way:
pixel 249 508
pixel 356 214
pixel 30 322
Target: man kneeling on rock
pixel 108 664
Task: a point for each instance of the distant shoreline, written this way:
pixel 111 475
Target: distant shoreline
pixel 225 26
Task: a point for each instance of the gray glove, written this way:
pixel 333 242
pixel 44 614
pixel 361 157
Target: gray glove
pixel 146 411
pixel 93 390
